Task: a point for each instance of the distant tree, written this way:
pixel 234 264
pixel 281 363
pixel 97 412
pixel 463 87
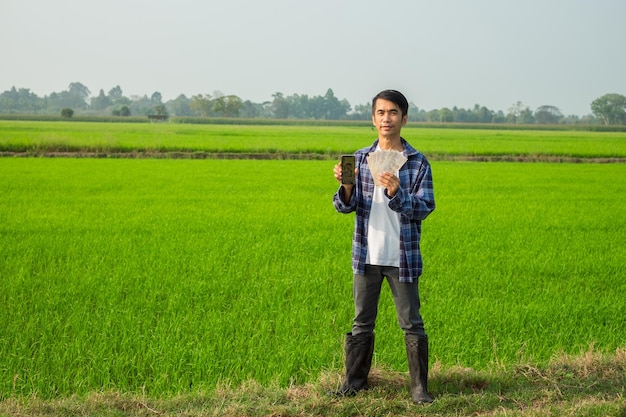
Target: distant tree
pixel 159 110
pixel 201 105
pixel 514 112
pixel 364 112
pixel 415 113
pixel 67 112
pixel 280 106
pixel 433 116
pixel 482 114
pixel 227 106
pixel 461 115
pixel 610 108
pixel 20 101
pixel 75 97
pixel 299 106
pixel 335 109
pixel 115 93
pixel 179 106
pixel 588 119
pixel 117 97
pixel 79 92
pixel 57 101
pixel 548 114
pixel 121 111
pixel 251 110
pixel 100 102
pixel 526 116
pixel 499 117
pixel 317 107
pixel 571 119
pixel 156 98
pixel 446 115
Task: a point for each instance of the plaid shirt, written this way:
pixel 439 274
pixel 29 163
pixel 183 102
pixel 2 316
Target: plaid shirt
pixel 414 201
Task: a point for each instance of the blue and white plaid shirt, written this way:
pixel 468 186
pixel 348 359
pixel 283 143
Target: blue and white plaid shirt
pixel 415 200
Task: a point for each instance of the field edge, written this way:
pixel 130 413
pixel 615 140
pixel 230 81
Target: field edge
pixel 591 383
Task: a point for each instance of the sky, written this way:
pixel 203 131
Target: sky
pixel 439 53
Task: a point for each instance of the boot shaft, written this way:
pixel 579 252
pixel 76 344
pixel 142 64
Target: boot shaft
pixel 417 355
pixel 359 353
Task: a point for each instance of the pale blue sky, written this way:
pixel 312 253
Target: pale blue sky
pixel 440 53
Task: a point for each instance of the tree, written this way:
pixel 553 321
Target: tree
pixel 299 106
pixel 141 105
pixel 482 114
pixel 526 116
pixel 20 101
pixel 548 114
pixel 179 106
pixel 251 110
pixel 159 110
pixel 201 105
pixel 156 97
pixel 79 92
pixel 227 106
pixel 67 112
pixel 75 97
pixel 446 115
pixel 364 112
pixel 415 113
pixel 101 102
pixel 433 116
pixel 115 93
pixel 610 108
pixel 514 112
pixel 280 106
pixel 335 109
pixel 123 111
pixel 117 96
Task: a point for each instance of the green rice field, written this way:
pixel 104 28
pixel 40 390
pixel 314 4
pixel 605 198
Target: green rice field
pixel 166 276
pixel 42 137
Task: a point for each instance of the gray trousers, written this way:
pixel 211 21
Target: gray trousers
pixel 366 290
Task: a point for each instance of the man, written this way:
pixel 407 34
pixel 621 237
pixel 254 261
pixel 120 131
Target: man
pixel 386 245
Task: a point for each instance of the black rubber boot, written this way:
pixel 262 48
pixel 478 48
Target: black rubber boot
pixel 359 352
pixel 417 354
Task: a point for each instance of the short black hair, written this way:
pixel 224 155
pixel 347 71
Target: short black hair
pixel 395 97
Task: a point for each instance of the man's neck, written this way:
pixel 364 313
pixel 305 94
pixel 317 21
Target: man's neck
pixel 391 144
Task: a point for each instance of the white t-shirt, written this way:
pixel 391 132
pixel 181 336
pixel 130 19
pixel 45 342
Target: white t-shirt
pixel 383 232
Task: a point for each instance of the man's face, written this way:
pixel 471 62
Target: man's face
pixel 388 118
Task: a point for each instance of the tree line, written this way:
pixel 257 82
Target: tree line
pixel 608 109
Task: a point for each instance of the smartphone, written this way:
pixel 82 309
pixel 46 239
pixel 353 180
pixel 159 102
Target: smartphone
pixel 348 163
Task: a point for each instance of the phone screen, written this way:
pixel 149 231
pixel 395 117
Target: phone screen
pixel 347 169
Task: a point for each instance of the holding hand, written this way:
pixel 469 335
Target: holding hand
pixel 390 182
pixel 337 171
pixel 346 189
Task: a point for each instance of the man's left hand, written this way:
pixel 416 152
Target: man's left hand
pixel 390 182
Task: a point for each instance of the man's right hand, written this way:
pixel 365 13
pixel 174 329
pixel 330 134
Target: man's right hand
pixel 346 189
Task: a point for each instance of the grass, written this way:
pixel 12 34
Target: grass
pixel 36 138
pixel 129 271
pixel 588 384
pixel 168 276
pixel 213 287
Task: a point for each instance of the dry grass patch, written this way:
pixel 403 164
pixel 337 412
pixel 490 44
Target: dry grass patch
pixel 590 384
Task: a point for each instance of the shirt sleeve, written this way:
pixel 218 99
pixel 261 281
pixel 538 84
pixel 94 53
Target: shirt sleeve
pixel 417 200
pixel 342 207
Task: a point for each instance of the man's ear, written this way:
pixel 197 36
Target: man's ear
pixel 405 119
